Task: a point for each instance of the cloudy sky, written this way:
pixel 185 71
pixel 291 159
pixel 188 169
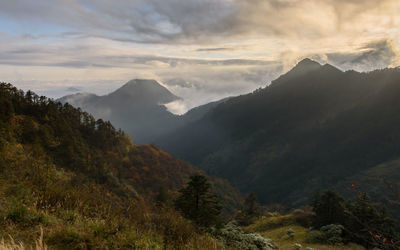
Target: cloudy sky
pixel 202 50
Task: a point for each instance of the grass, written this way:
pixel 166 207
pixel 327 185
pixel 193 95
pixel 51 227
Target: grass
pixel 12 245
pixel 276 228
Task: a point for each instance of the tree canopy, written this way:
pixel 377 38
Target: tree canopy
pixel 197 202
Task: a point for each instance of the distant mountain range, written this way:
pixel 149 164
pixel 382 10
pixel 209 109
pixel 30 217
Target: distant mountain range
pixel 313 128
pixel 137 108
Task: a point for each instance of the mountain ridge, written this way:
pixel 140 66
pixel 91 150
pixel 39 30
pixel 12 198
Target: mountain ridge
pixel 321 126
pixel 138 108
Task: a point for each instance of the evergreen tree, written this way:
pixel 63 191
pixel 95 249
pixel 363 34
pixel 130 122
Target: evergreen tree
pixel 197 202
pixel 329 208
pixel 250 210
pixel 368 225
pixel 251 207
pixel 363 222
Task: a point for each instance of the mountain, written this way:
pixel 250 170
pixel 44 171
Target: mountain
pixel 86 184
pixel 136 107
pixel 197 113
pixel 310 129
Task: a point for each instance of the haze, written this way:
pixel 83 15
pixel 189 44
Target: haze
pixel 200 50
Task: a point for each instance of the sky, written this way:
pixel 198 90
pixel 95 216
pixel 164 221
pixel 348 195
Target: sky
pixel 201 50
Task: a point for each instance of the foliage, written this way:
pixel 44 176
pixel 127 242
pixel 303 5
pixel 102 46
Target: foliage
pixel 315 237
pixel 250 210
pixel 233 236
pixel 277 227
pixel 328 209
pixel 304 132
pixel 197 203
pixel 333 234
pixel 362 222
pixel 84 182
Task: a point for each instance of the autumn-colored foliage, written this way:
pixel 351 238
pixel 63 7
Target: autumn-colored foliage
pixel 84 182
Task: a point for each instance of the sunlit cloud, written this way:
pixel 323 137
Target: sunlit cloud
pixel 200 50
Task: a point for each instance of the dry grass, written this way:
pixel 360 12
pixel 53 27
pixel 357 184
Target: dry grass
pixel 12 245
pixel 276 229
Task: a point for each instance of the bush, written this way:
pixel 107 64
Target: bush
pixel 315 237
pixel 19 213
pixel 233 236
pixel 333 234
pixel 296 246
pixel 330 234
pixel 177 231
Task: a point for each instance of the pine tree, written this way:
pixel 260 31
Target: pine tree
pixel 251 207
pixel 197 202
pixel 250 210
pixel 329 209
pixel 370 226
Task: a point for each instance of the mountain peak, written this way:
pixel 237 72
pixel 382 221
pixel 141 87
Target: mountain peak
pixel 141 82
pixel 308 64
pixel 144 90
pixel 305 67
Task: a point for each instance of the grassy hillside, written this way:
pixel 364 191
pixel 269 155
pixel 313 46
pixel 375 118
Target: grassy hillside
pixel 276 227
pixel 85 184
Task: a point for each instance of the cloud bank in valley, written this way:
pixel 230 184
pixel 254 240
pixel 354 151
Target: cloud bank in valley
pixel 200 50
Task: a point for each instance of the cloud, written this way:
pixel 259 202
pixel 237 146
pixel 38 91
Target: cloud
pixel 199 21
pixel 202 50
pixel 74 89
pixel 213 49
pixel 374 55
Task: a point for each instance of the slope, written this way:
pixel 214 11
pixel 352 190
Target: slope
pixel 137 107
pixel 308 130
pixel 84 182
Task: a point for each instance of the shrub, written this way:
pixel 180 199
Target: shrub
pixel 17 213
pixel 233 236
pixel 333 234
pixel 315 237
pixel 290 233
pixel 296 246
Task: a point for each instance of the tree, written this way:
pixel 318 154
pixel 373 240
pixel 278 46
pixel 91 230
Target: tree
pixel 362 222
pixel 251 207
pixel 370 226
pixel 197 202
pixel 250 210
pixel 329 209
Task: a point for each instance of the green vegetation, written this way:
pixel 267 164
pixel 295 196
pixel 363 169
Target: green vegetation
pixel 276 228
pixel 312 129
pixel 356 221
pixel 331 222
pixel 197 203
pixel 76 183
pixel 85 183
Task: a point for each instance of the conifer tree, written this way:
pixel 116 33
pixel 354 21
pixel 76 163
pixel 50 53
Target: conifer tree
pixel 329 208
pixel 197 202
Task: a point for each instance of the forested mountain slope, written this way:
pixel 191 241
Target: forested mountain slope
pixel 136 107
pixel 85 183
pixel 309 130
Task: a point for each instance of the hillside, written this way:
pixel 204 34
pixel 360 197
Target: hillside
pixel 85 183
pixel 309 130
pixel 136 107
